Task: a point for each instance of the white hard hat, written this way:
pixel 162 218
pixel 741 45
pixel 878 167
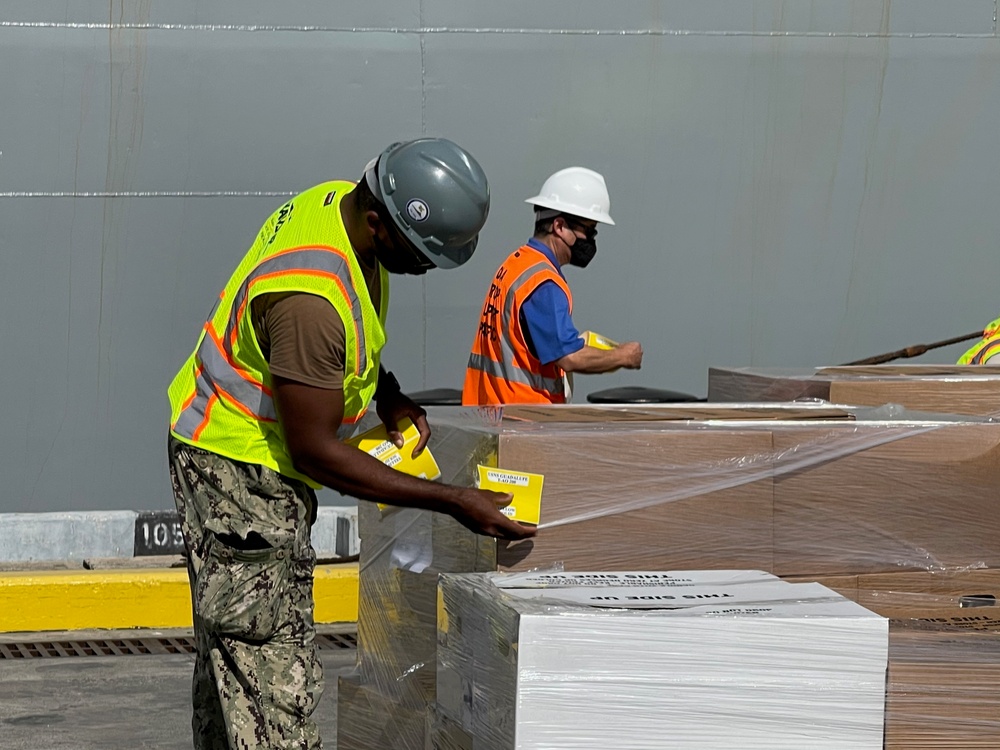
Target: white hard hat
pixel 577 191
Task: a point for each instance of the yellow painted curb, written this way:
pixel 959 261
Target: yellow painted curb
pixel 138 598
pixel 335 589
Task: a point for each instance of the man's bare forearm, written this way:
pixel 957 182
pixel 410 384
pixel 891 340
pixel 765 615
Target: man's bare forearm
pixel 591 360
pixel 353 472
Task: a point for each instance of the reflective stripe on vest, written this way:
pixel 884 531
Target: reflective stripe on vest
pixel 218 376
pixel 506 368
pixel 509 371
pixel 327 262
pixel 986 350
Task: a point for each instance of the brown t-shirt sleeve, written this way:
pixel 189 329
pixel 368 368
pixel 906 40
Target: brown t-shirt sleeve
pixel 302 337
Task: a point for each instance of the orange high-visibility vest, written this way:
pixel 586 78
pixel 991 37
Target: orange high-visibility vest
pixel 986 347
pixel 502 369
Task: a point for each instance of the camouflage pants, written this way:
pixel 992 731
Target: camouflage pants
pixel 257 676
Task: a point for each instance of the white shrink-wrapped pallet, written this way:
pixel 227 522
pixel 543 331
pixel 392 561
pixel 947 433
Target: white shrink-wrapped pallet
pixel 716 659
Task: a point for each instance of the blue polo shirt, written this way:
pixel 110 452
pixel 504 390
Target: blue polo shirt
pixel 545 317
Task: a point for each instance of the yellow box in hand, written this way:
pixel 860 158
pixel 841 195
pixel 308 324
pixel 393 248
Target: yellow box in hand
pixel 375 442
pixel 526 507
pixel 597 341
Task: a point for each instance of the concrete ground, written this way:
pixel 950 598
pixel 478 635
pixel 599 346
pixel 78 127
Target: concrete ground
pixel 117 702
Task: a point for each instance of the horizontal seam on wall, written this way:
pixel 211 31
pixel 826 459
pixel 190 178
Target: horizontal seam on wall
pixel 254 28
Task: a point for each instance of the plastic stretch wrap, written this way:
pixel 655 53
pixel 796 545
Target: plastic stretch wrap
pixel 752 664
pixel 943 690
pixel 803 490
pixel 953 389
pixel 954 600
pixel 367 719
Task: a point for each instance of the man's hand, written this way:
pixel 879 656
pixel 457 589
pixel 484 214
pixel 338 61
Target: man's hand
pixel 631 354
pixel 395 407
pixel 590 359
pixel 477 510
pixel 310 418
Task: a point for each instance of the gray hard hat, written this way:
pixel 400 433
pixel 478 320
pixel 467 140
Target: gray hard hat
pixel 437 195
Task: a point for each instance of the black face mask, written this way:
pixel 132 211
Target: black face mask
pixel 394 261
pixel 582 251
pixel 399 258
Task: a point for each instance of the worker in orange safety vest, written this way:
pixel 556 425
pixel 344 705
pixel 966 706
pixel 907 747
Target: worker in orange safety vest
pixel 526 343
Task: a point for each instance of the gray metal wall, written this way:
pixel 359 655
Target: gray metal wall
pixel 795 183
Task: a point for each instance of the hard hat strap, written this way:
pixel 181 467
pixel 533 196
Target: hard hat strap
pixel 541 214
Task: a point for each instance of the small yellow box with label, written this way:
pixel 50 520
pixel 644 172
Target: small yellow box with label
pixel 375 442
pixel 597 341
pixel 526 506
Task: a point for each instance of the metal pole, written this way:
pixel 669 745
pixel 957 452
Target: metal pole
pixel 913 351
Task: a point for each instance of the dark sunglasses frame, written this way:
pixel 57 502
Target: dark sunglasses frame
pixel 588 232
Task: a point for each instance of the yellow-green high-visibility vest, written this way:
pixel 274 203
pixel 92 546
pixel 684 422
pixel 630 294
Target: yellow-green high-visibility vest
pixel 221 400
pixel 985 348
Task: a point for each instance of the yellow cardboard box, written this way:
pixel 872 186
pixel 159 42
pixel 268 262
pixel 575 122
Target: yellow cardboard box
pixel 597 341
pixel 375 442
pixel 526 505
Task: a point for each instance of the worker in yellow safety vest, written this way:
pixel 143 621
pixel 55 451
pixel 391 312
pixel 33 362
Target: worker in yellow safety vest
pixel 986 349
pixel 284 368
pixel 526 343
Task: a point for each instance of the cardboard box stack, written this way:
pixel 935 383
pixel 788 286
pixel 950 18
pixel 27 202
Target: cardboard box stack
pixel 949 389
pixel 698 659
pixel 942 690
pixel 955 600
pixel 795 490
pixel 943 683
